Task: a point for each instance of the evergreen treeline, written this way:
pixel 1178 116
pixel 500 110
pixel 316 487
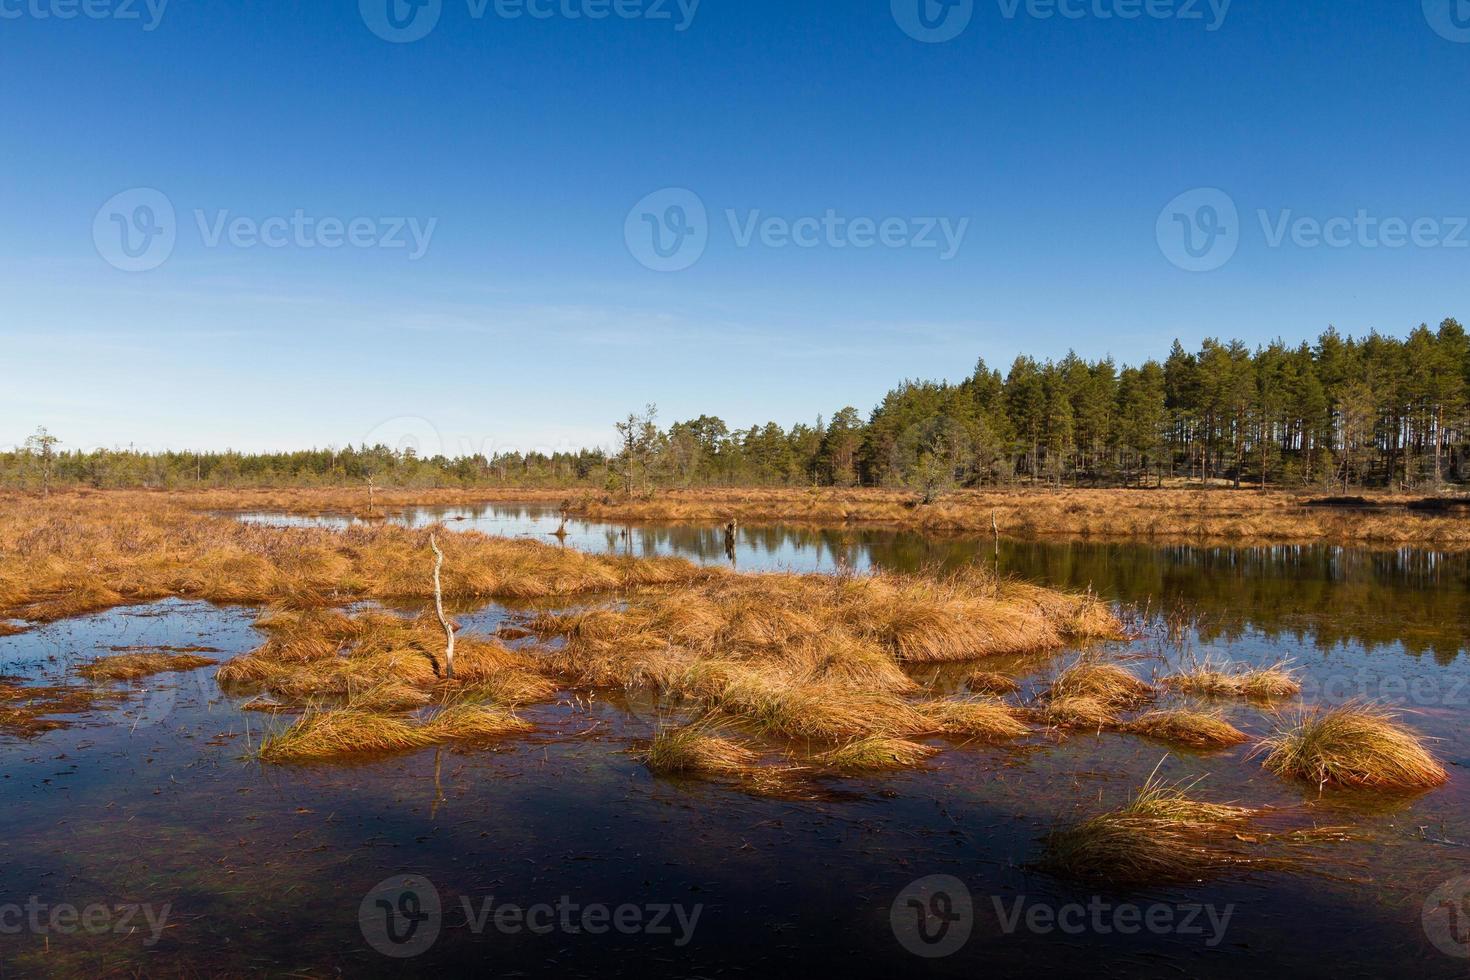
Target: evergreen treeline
pixel 1373 412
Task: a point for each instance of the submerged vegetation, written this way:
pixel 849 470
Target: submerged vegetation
pixel 1352 745
pixel 132 666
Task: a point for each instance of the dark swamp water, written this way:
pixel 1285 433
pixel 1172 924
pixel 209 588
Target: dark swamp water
pixel 141 840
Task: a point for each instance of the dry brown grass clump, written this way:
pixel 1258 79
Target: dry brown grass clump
pixel 804 656
pixel 132 666
pixel 1196 729
pixel 467 722
pixel 974 718
pixel 1108 684
pixel 1161 837
pixel 1353 745
pixel 377 660
pixel 388 697
pixel 1208 677
pixel 1090 694
pixel 874 753
pixel 325 734
pixel 698 750
pixel 1074 712
pixel 989 682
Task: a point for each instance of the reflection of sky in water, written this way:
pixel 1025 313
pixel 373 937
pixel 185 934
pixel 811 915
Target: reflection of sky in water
pixel 151 800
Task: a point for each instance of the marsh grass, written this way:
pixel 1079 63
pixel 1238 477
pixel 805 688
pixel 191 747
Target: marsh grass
pixel 27 712
pixel 698 749
pixel 324 734
pixel 327 733
pixel 1229 680
pixel 1357 745
pixel 473 722
pixel 990 682
pixel 979 718
pixel 1162 836
pixel 1182 726
pixel 874 753
pixel 1107 684
pixel 132 666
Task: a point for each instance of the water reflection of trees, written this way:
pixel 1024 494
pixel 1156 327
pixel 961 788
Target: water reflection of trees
pixel 1320 595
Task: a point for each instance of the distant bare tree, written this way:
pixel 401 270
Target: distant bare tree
pixel 42 445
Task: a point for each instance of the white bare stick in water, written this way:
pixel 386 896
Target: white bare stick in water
pixel 439 608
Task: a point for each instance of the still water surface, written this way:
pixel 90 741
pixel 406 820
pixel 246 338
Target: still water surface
pixel 266 869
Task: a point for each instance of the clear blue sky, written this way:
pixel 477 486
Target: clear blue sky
pixel 528 321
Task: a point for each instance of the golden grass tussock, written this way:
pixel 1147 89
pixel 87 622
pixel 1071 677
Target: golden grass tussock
pixel 377 661
pixel 132 666
pixel 1107 684
pixel 874 753
pixel 807 656
pixel 1196 729
pixel 975 718
pixel 698 749
pixel 326 734
pixel 989 682
pixel 1225 679
pixel 1356 745
pixel 1162 836
pixel 388 697
pixel 468 722
pixel 1074 712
